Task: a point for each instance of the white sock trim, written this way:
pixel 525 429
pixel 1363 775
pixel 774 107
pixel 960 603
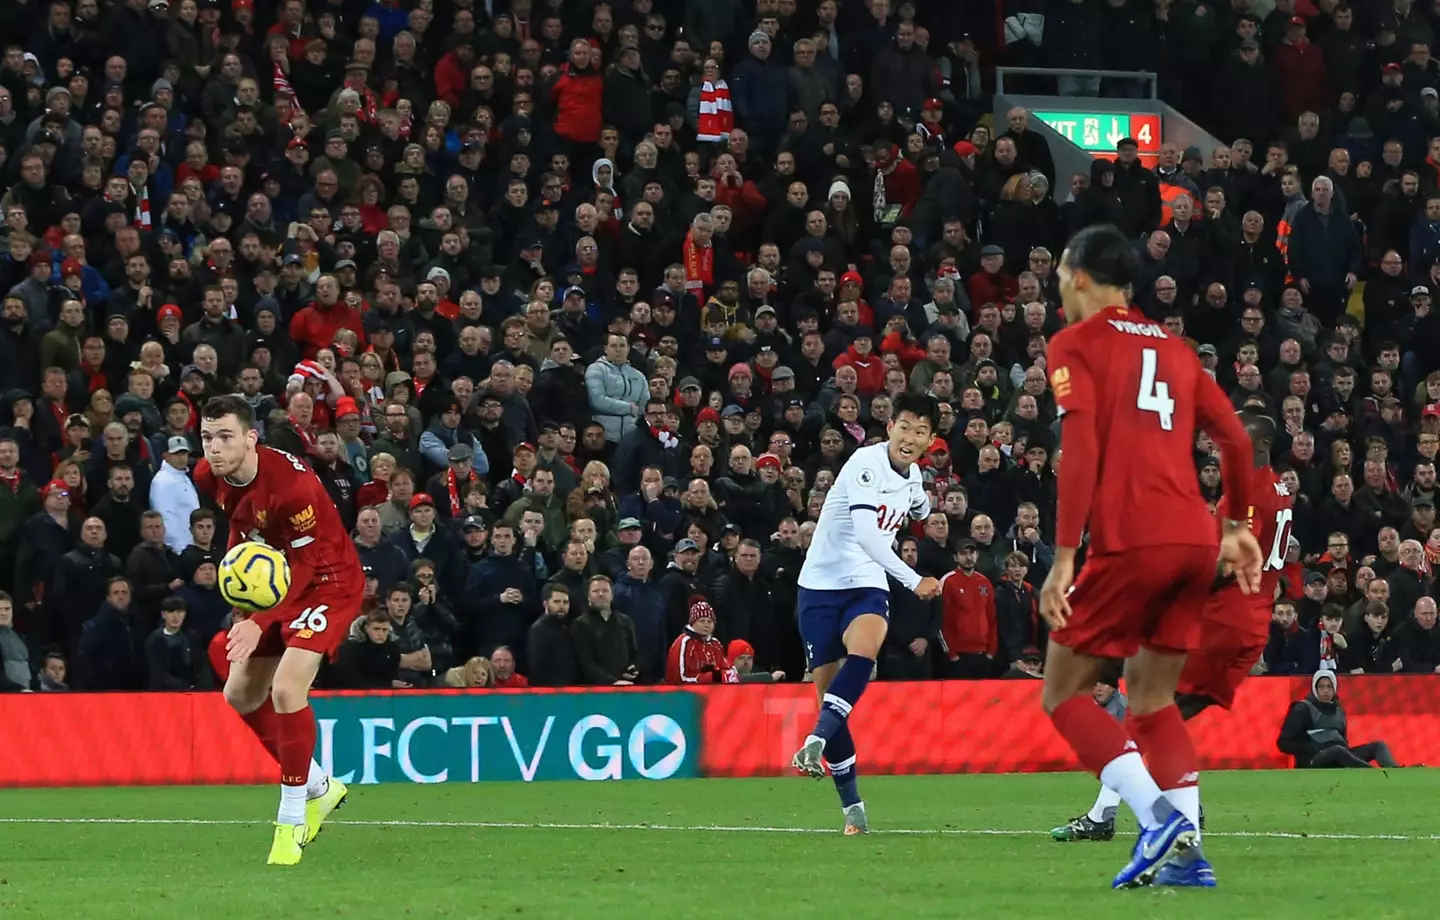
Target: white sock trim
pixel 1186 800
pixel 839 702
pixel 1107 799
pixel 1128 776
pixel 292 805
pixel 316 783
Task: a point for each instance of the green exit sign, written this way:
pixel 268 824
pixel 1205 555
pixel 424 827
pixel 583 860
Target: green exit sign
pixel 1088 130
pixel 1101 131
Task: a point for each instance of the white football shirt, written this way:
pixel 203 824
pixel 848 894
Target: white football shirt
pixel 853 546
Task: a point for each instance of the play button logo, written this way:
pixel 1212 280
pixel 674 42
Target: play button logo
pixel 657 747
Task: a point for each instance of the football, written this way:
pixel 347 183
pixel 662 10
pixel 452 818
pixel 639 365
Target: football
pixel 254 576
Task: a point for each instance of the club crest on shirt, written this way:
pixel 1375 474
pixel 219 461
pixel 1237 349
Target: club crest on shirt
pixel 1060 381
pixel 260 518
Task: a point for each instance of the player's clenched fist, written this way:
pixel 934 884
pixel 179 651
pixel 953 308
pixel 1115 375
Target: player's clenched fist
pixel 928 588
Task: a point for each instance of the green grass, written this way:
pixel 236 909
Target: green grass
pixel 691 861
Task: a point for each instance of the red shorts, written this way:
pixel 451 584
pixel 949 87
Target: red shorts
pixel 1218 671
pixel 1151 597
pixel 1235 628
pixel 315 618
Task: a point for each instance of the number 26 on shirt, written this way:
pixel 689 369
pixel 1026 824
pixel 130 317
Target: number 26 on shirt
pixel 1154 394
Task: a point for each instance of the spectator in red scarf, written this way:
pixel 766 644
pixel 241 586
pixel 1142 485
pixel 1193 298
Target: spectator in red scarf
pixel 447 487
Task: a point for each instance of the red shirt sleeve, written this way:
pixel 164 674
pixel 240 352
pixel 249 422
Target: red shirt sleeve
pixel 1074 389
pixel 1079 470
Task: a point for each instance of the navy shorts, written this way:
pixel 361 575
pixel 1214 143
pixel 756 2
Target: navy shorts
pixel 824 616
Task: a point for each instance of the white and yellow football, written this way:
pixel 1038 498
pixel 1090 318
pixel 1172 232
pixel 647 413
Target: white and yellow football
pixel 254 576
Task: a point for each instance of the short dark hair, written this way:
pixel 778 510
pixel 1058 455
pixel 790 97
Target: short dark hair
pixel 402 586
pixel 552 588
pixel 230 404
pixel 172 603
pixel 920 405
pixel 1104 254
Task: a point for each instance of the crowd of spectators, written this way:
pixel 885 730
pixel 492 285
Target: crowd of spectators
pixel 576 307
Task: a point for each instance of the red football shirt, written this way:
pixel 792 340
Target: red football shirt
pixel 1133 396
pixel 1271 512
pixel 286 506
pixel 1272 509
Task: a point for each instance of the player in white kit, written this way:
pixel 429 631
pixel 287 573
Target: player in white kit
pixel 844 598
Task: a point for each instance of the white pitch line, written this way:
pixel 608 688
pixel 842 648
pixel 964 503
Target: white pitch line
pixel 694 828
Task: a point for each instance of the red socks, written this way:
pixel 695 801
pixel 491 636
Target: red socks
pixel 1092 733
pixel 295 745
pixel 262 723
pixel 1166 745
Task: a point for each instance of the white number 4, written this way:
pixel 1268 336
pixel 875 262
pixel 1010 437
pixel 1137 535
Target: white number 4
pixel 312 619
pixel 1154 394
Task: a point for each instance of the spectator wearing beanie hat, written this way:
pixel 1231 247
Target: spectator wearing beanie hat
pixel 759 91
pixel 742 658
pixel 696 656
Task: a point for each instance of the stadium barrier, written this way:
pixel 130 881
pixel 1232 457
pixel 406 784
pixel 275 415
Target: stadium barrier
pixel 52 739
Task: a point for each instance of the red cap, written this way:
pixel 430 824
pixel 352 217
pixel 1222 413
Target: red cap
pixel 1297 21
pixel 524 445
pixel 346 405
pixel 242 4
pixel 707 414
pixel 70 267
pixel 738 647
pixel 167 310
pixel 700 609
pixel 965 149
pixel 852 278
pixel 738 369
pixel 421 498
pixel 1391 67
pixel 934 105
pixel 38 257
pixel 765 460
pixel 54 485
pixel 295 142
pixel 1431 411
pixel 938 444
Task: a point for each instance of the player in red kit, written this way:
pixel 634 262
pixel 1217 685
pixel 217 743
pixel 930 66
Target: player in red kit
pixel 272 496
pixel 1234 626
pixel 1132 397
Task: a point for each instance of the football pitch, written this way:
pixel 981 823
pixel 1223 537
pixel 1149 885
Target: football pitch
pixel 1284 844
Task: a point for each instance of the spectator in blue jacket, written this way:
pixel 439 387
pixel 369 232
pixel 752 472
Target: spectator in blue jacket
pixel 502 597
pixel 638 597
pixel 759 93
pixel 1425 235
